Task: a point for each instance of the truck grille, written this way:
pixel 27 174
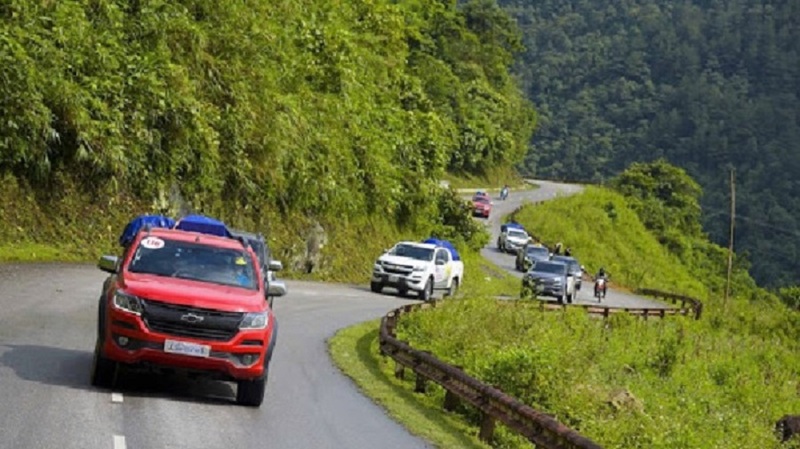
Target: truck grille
pixel 193 322
pixel 397 269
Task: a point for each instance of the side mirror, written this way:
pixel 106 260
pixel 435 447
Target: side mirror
pixel 275 265
pixel 277 288
pixel 108 264
pixel 440 262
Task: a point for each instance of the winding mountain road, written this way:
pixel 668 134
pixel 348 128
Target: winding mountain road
pixel 548 190
pixel 47 331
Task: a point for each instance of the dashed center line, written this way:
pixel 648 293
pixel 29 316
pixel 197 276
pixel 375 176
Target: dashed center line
pixel 116 397
pixel 119 442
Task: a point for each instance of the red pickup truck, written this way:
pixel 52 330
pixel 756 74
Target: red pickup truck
pixel 186 301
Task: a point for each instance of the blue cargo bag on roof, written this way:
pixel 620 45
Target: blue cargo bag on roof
pixel 204 225
pixel 133 227
pixel 444 244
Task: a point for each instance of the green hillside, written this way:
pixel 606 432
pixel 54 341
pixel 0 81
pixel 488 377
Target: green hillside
pixel 277 116
pixel 675 383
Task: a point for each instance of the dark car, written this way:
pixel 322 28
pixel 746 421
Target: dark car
pixel 574 268
pixel 268 265
pixel 529 254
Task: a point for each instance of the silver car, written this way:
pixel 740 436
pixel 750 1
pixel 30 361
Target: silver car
pixel 550 278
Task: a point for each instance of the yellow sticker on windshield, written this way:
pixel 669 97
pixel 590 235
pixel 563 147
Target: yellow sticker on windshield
pixel 240 261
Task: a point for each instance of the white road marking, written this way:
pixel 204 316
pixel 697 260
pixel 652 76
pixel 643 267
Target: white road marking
pixel 119 442
pixel 116 397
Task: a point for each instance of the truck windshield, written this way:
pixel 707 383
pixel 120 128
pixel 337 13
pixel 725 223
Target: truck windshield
pixel 414 252
pixel 197 262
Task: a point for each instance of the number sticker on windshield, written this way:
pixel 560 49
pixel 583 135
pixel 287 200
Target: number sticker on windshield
pixel 153 243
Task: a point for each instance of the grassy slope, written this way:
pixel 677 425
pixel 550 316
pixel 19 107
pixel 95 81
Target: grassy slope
pixel 719 382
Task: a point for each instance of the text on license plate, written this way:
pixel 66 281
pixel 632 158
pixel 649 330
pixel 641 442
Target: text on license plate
pixel 186 348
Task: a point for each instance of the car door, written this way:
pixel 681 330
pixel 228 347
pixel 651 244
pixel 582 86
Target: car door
pixel 442 268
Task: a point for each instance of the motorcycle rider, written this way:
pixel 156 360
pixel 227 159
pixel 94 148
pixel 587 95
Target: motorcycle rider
pixel 568 252
pixel 601 274
pixel 504 192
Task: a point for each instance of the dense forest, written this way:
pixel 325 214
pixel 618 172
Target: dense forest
pixel 261 112
pixel 708 85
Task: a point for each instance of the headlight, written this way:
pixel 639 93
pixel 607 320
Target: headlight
pixel 255 320
pixel 128 303
pixel 377 267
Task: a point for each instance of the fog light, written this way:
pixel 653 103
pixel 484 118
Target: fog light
pixel 122 341
pixel 249 359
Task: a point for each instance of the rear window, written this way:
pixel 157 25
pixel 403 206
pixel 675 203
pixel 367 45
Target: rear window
pixel 538 250
pixel 549 267
pixel 194 261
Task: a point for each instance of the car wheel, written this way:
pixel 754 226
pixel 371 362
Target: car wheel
pixel 104 371
pixel 427 293
pixel 251 392
pixel 269 301
pixel 375 287
pixel 451 292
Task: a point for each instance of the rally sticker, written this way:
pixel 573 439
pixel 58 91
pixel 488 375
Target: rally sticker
pixel 153 243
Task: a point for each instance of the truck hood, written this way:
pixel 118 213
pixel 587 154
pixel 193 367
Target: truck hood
pixel 405 261
pixel 193 293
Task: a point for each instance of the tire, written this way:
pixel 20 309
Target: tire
pixel 498 244
pixel 269 301
pixel 451 292
pixel 375 287
pixel 251 392
pixel 104 371
pixel 569 298
pixel 427 293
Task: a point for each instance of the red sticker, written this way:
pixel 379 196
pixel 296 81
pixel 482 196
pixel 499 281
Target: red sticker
pixel 153 243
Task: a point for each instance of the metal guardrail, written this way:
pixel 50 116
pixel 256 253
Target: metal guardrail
pixel 541 429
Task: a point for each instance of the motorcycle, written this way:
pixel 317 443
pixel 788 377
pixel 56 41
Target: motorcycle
pixel 600 289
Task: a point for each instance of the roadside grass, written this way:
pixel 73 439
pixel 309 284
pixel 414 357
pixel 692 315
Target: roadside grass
pixel 355 351
pixel 36 252
pixel 483 278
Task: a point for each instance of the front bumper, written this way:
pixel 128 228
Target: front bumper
pixel 415 281
pixel 129 341
pixel 545 287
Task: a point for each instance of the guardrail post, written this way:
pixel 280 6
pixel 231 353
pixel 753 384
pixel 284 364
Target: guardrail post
pixel 451 401
pixel 399 370
pixel 487 428
pixel 420 385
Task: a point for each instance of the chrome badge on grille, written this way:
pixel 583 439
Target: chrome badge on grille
pixel 192 318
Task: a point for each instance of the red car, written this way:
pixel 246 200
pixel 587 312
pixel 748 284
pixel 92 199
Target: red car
pixel 186 301
pixel 482 205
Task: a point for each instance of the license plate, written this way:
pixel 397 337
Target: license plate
pixel 186 348
pixel 393 278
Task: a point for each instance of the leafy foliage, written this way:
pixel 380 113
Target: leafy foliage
pixel 672 383
pixel 270 115
pixel 705 85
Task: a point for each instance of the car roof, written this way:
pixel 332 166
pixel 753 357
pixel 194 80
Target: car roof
pixel 195 237
pixel 419 245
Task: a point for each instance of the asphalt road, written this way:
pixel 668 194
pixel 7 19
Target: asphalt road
pixel 47 330
pixel 549 190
